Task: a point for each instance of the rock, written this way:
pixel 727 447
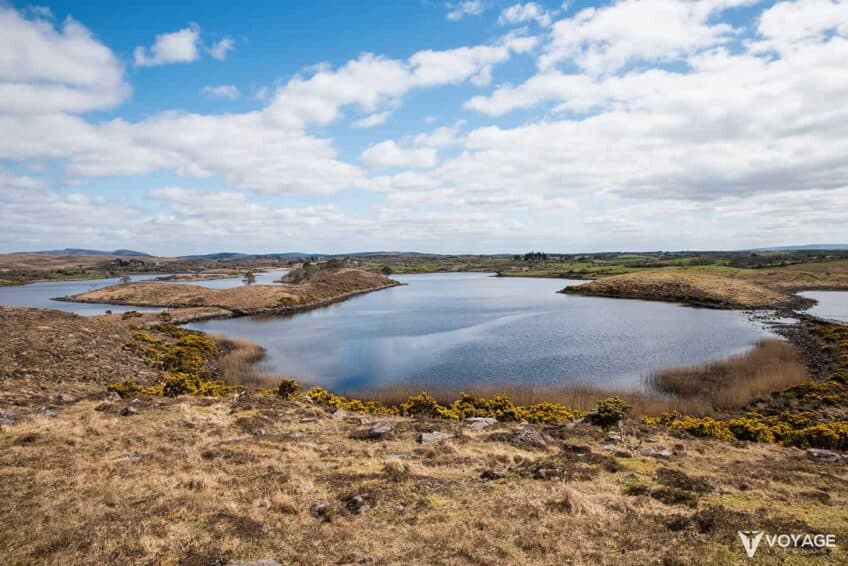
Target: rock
pixel 308 419
pixel 431 437
pixel 546 473
pixel 104 406
pixel 339 415
pixel 663 453
pixel 479 423
pixel 6 418
pixel 614 437
pixel 528 438
pixel 128 411
pixel 821 455
pixel 367 559
pixel 320 509
pixel 65 398
pixel 254 563
pixel 47 412
pixel 492 475
pixel 357 505
pixel 377 431
pixel 112 396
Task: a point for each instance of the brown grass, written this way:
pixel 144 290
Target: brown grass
pixel 239 364
pixel 734 382
pixel 695 286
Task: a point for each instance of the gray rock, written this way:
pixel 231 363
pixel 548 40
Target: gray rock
pixel 47 412
pixel 320 509
pixel 6 418
pixel 492 475
pixel 112 396
pixel 546 473
pixel 431 437
pixel 663 453
pixel 528 438
pixel 826 455
pixel 129 411
pixel 377 431
pixel 339 415
pixel 479 423
pixel 357 505
pixel 65 398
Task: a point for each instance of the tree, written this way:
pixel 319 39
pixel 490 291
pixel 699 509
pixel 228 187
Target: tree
pixel 249 278
pixel 125 278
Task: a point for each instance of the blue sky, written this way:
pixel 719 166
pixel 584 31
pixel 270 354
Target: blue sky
pixel 460 127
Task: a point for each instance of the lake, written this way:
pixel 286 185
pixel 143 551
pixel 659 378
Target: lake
pixel 460 329
pixel 42 293
pixel 831 304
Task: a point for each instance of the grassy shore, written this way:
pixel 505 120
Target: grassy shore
pixel 322 288
pixel 89 476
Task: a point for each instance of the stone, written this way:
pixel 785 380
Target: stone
pixel 546 473
pixel 339 415
pixel 490 475
pixel 129 411
pixel 254 563
pixel 528 438
pixel 65 398
pixel 47 412
pixel 479 423
pixel 821 455
pixel 357 505
pixel 432 437
pixel 320 509
pixel 663 453
pixel 377 431
pixel 112 396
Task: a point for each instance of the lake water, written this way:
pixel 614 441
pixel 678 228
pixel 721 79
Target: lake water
pixel 42 293
pixel 831 304
pixel 455 330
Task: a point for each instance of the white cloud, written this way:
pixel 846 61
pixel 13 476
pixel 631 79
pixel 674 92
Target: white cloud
pixel 375 119
pixel 458 10
pixel 221 91
pixel 175 47
pixel 220 48
pixel 370 82
pixel 388 154
pixel 603 40
pixel 523 13
pixel 47 69
pixel 789 24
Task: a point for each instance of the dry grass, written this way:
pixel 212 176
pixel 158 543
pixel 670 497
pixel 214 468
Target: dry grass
pixel 772 365
pixel 253 299
pixel 197 482
pixel 239 363
pixel 696 286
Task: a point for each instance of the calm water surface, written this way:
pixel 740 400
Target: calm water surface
pixel 42 293
pixel 831 304
pixel 463 329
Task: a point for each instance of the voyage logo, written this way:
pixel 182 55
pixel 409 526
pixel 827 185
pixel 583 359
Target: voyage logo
pixel 751 540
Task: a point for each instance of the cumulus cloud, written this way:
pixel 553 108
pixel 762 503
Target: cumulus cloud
pixel 221 91
pixel 388 154
pixel 458 10
pixel 371 81
pixel 523 13
pixel 48 68
pixel 221 48
pixel 176 47
pixel 603 40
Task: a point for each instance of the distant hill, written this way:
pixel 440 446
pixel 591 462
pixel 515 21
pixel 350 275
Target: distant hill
pixel 805 247
pixel 298 255
pixel 80 251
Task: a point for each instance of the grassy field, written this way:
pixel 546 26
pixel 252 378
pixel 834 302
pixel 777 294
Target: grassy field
pixel 90 476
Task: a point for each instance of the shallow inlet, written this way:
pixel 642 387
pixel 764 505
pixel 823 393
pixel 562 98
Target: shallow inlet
pixel 832 305
pixel 468 329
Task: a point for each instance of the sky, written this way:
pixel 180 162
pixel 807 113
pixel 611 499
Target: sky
pixel 475 126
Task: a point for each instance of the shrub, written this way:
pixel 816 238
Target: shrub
pixel 705 427
pixel 287 387
pixel 609 411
